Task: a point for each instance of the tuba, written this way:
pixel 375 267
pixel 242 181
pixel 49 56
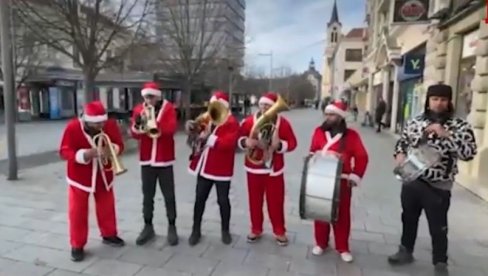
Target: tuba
pixel 149 124
pixel 216 113
pixel 264 128
pixel 102 142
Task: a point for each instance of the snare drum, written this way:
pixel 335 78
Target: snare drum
pixel 418 161
pixel 320 187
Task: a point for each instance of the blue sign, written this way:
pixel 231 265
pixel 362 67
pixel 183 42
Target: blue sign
pixel 54 103
pixel 413 64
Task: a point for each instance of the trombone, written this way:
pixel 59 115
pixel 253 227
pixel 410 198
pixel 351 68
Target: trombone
pixel 102 141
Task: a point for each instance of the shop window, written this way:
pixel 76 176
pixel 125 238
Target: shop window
pixel 348 74
pixel 465 93
pixel 354 55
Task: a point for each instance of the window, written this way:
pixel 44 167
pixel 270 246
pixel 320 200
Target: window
pixel 348 74
pixel 354 55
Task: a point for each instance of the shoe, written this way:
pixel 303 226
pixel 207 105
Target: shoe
pixel 282 240
pixel 146 234
pixel 252 238
pixel 401 257
pixel 172 235
pixel 347 257
pixel 441 269
pixel 114 241
pixel 77 254
pixel 194 238
pixel 317 250
pixel 226 237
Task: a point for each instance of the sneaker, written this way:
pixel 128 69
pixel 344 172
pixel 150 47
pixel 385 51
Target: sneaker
pixel 401 257
pixel 226 237
pixel 252 238
pixel 77 254
pixel 194 238
pixel 146 234
pixel 441 269
pixel 172 235
pixel 317 250
pixel 347 257
pixel 114 241
pixel 282 240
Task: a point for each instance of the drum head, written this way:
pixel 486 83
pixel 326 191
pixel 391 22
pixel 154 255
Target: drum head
pixel 301 202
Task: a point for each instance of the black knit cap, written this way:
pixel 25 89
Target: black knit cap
pixel 440 90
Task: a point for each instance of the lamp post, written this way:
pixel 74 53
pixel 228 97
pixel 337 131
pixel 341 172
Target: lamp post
pixel 270 55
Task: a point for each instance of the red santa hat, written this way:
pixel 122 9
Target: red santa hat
pixel 94 112
pixel 337 107
pixel 222 97
pixel 268 98
pixel 151 89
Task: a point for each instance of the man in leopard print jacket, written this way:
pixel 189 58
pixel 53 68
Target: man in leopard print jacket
pixel 454 139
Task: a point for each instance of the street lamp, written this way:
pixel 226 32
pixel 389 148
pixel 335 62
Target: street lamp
pixel 270 55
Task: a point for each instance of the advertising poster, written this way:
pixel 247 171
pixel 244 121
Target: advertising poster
pixel 54 103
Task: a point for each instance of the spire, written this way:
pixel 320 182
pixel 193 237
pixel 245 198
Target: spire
pixel 311 65
pixel 334 18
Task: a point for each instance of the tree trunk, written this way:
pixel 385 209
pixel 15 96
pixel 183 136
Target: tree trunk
pixel 88 87
pixel 187 99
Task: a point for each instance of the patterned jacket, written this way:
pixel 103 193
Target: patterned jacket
pixel 460 145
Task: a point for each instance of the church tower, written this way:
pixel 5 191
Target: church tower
pixel 333 38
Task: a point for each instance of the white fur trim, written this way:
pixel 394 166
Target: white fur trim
pixel 334 109
pixel 80 157
pixel 224 102
pixel 95 119
pixel 151 91
pixel 284 146
pixel 116 148
pixel 265 100
pixel 212 139
pixel 354 178
pixel 240 141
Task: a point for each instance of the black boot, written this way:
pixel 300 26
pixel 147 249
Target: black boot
pixel 172 235
pixel 77 254
pixel 146 234
pixel 114 241
pixel 226 237
pixel 195 237
pixel 403 256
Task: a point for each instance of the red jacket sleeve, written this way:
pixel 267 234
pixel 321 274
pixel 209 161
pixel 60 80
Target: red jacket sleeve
pixel 288 138
pixel 168 125
pixel 314 145
pixel 228 140
pixel 360 156
pixel 67 149
pixel 136 134
pixel 244 131
pixel 113 131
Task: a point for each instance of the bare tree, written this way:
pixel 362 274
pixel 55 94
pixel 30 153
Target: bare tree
pixel 96 34
pixel 192 35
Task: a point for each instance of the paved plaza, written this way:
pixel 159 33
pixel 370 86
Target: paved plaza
pixel 34 241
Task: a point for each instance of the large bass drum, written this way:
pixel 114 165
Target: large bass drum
pixel 320 187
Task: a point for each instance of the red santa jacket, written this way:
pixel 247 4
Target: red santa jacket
pixel 216 161
pixel 354 155
pixel 81 174
pixel 288 144
pixel 157 152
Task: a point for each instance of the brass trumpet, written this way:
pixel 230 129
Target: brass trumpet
pixel 102 142
pixel 264 128
pixel 149 124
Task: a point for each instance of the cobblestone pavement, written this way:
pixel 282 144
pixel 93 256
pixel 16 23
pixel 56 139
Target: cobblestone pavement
pixel 34 242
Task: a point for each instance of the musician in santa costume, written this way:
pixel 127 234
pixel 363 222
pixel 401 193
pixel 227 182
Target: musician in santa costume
pixel 87 174
pixel 156 157
pixel 335 138
pixel 267 179
pixel 213 163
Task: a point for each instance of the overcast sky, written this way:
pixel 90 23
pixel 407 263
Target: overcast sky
pixel 294 30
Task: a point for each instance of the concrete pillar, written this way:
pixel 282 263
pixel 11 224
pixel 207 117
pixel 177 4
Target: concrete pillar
pixel 453 49
pixel 103 95
pixel 116 97
pixel 385 72
pixel 394 101
pixel 370 94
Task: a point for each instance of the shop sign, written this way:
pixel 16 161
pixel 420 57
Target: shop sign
pixel 410 11
pixel 413 64
pixel 470 40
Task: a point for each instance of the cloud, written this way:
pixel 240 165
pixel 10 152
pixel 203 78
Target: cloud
pixel 295 31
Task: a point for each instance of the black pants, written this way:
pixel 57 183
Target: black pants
pixel 204 186
pixel 150 176
pixel 419 195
